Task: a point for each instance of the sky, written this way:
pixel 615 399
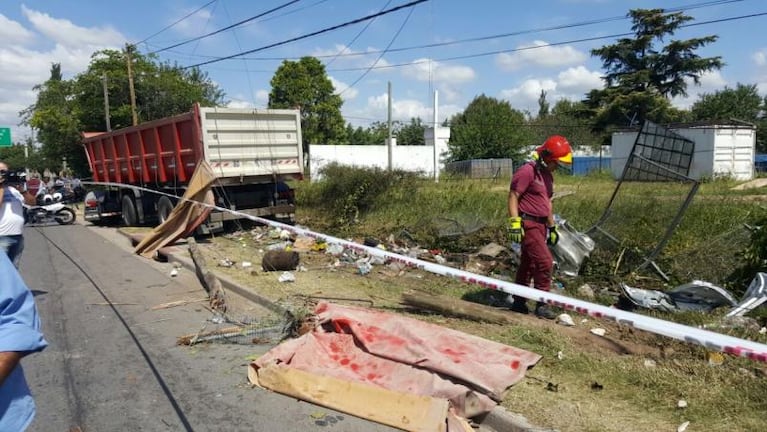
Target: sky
pixel 507 49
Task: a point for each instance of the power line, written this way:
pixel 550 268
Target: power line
pixel 407 18
pixel 354 39
pixel 228 27
pixel 325 30
pixel 176 22
pixel 510 34
pixel 488 53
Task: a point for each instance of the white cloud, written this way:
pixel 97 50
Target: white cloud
pixel 239 103
pixel 345 55
pixel 540 54
pixel 402 110
pixel 424 70
pixel 194 25
pixel 23 65
pixel 525 96
pixel 262 97
pixel 760 58
pixel 11 32
pixel 710 82
pixel 579 80
pixel 65 33
pixel 346 92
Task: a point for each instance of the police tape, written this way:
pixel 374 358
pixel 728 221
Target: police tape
pixel 710 340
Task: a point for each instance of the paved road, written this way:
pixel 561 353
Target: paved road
pixel 113 363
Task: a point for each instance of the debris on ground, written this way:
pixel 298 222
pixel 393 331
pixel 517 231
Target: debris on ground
pixel 367 359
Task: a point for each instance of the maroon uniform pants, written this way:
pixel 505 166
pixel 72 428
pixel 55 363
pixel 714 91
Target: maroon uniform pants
pixel 536 262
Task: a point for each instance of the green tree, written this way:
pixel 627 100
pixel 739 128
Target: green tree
pixel 488 128
pixel 570 119
pixel 411 133
pixel 66 108
pixel 741 103
pixel 640 76
pixel 543 105
pixel 304 85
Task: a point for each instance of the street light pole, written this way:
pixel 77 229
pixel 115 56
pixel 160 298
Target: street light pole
pixel 106 101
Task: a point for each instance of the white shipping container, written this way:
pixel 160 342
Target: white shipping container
pixel 720 150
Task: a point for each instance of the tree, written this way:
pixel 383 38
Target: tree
pixel 741 103
pixel 411 133
pixel 569 119
pixel 641 77
pixel 66 108
pixel 488 128
pixel 304 85
pixel 543 105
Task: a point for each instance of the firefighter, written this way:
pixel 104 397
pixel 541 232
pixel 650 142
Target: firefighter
pixel 531 219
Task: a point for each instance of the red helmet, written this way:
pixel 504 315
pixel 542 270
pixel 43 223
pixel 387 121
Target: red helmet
pixel 556 149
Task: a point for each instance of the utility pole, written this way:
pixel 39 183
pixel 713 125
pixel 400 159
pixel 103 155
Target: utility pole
pixel 128 49
pixel 388 121
pixel 106 101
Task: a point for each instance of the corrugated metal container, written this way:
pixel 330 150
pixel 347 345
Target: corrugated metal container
pixel 481 168
pixel 760 163
pixel 238 143
pixel 720 150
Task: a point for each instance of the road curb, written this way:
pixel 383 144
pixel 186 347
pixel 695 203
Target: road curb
pixel 497 420
pixel 173 254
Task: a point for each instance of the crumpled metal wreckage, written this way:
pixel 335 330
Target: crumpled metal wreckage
pixel 571 250
pixel 699 296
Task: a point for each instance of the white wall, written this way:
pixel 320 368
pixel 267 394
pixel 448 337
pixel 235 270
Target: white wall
pixel 408 158
pixel 718 151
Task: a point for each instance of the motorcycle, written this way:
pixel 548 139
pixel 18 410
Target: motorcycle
pixel 56 211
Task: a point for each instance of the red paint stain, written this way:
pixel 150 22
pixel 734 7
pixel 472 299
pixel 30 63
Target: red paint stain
pixel 515 364
pixel 355 367
pixel 345 361
pixel 371 376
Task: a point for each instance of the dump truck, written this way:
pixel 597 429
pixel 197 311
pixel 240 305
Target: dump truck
pixel 139 172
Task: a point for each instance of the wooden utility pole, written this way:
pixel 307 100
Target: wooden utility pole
pixel 128 50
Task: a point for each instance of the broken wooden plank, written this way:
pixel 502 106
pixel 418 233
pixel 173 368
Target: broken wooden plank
pixel 176 303
pixel 458 308
pixel 207 278
pixel 401 410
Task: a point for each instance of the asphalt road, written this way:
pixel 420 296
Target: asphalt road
pixel 113 363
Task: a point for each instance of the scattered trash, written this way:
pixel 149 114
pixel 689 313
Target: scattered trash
pixel 649 363
pixel 285 235
pixel 584 321
pixel 756 294
pixel 586 291
pixel 335 249
pixel 694 296
pixel 763 330
pixel 596 386
pixel 440 259
pixel 174 272
pixel 715 358
pixel 246 264
pixel 226 262
pixel 571 250
pixel 560 355
pixel 363 267
pixel 283 245
pixel 681 404
pixel 317 415
pixel 287 277
pixel 598 331
pixel 552 387
pixel 565 320
pixel 683 427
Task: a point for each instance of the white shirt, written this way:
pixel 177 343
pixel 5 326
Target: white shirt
pixel 12 212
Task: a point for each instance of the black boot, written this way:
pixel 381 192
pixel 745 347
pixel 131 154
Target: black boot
pixel 520 305
pixel 543 311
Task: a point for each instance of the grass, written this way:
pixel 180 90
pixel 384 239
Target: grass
pixel 708 244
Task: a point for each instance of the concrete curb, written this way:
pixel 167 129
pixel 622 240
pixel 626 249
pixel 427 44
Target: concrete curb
pixel 497 420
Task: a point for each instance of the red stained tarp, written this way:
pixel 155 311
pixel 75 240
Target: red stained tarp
pixel 405 354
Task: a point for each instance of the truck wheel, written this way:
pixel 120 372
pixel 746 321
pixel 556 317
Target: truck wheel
pixel 130 217
pixel 164 208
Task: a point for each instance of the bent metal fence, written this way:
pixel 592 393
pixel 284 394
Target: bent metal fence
pixel 657 170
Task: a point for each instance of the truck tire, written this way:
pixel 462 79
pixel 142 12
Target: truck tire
pixel 130 218
pixel 164 208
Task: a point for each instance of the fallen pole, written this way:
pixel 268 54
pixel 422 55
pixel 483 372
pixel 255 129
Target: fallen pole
pixel 710 340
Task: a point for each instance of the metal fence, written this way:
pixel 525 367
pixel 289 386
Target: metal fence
pixel 481 168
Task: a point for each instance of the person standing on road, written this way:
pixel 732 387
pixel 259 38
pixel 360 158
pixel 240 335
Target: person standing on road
pixel 19 336
pixel 531 219
pixel 12 197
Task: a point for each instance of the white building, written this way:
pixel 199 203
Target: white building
pixel 428 159
pixel 720 150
